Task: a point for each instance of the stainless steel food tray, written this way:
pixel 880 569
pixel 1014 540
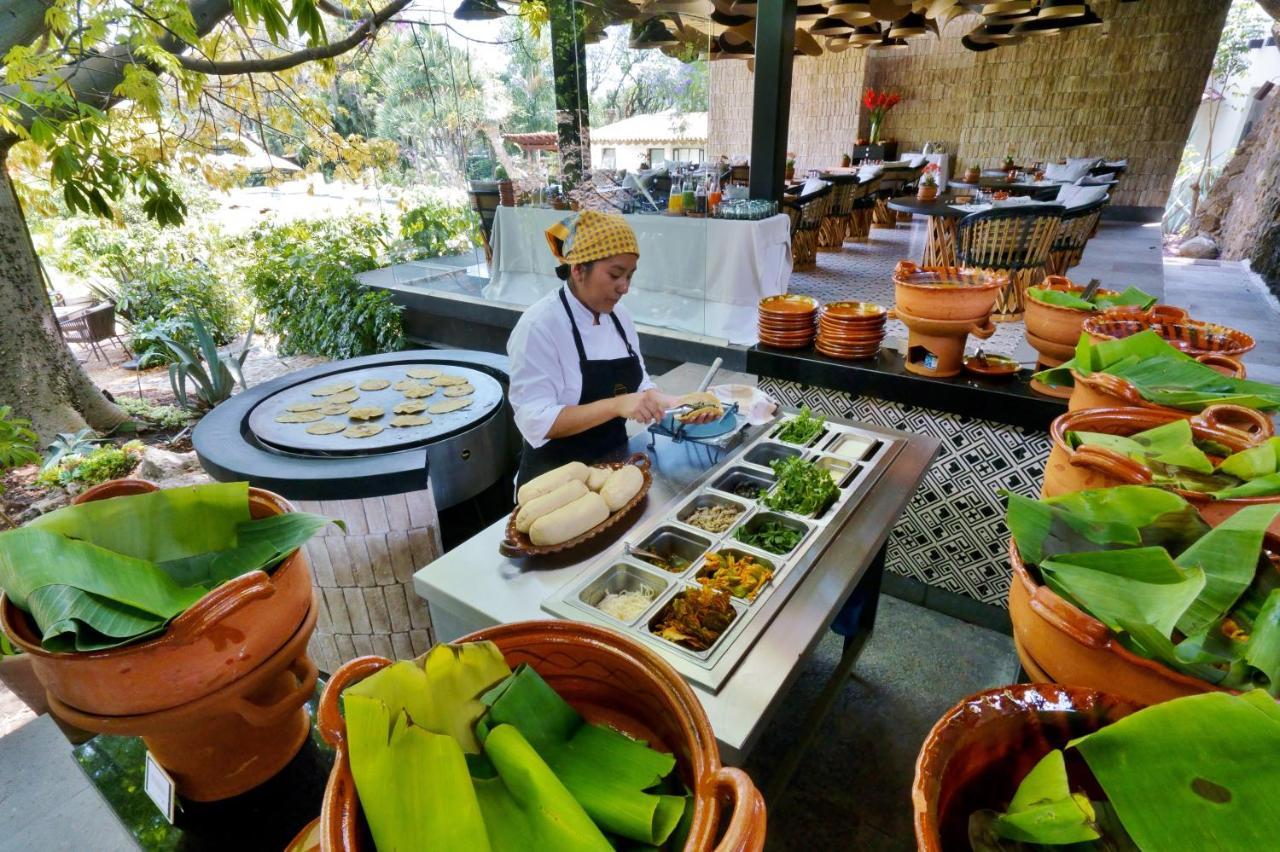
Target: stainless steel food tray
pixel 616 569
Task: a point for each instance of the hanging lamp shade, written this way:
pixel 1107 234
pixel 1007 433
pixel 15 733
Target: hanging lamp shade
pixel 865 35
pixel 968 43
pixel 839 44
pixel 744 7
pixel 908 26
pixel 726 19
pixel 1001 33
pixel 1039 27
pixel 1088 19
pixel 807 45
pixel 650 32
pixel 1008 7
pixel 831 27
pixel 734 48
pixel 844 9
pixel 1062 9
pixel 811 12
pixel 479 10
pixel 890 44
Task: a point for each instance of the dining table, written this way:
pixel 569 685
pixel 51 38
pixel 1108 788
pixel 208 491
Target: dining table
pixel 1041 190
pixel 943 217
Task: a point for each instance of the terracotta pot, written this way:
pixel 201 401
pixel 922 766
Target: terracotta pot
pixel 1071 470
pixel 927 192
pixel 982 748
pixel 1103 390
pixel 506 193
pixel 1054 325
pixel 607 678
pixel 1189 336
pixel 232 740
pixel 222 637
pixel 945 293
pixel 1075 648
pixel 972 175
pixel 1155 313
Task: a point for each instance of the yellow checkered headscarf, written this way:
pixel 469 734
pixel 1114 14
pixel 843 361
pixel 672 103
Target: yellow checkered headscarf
pixel 591 236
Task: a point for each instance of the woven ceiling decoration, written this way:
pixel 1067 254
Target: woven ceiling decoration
pixel 725 29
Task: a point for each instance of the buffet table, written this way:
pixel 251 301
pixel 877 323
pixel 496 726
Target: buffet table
pixel 704 276
pixel 473 586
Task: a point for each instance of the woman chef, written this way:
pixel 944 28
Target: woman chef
pixel 576 372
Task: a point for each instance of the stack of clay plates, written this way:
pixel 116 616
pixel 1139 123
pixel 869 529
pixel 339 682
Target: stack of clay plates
pixel 851 330
pixel 788 321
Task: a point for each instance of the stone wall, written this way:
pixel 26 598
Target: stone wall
pixel 1129 89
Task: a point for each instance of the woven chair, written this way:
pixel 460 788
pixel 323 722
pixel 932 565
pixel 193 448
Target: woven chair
pixel 485 203
pixel 835 225
pixel 863 208
pixel 806 214
pixel 93 326
pixel 1078 225
pixel 1010 239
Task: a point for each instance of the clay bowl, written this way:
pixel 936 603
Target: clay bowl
pixel 1085 468
pixel 233 739
pixel 1050 353
pixel 787 305
pixel 1074 648
pixel 771 328
pixel 1189 336
pixel 846 353
pixel 608 678
pixel 978 752
pixel 1054 325
pixel 1154 314
pixel 945 294
pixel 855 312
pixel 222 637
pixel 1103 390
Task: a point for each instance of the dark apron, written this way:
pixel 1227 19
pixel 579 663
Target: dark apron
pixel 601 379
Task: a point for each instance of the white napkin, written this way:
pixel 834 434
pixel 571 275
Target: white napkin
pixel 754 405
pixel 970 208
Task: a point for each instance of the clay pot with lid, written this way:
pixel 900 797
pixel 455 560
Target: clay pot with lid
pixel 609 679
pixel 1053 330
pixel 225 635
pixel 1104 390
pixel 945 293
pixel 980 750
pixel 1057 640
pixel 1088 467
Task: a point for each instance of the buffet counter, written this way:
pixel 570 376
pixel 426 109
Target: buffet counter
pixel 993 435
pixel 472 586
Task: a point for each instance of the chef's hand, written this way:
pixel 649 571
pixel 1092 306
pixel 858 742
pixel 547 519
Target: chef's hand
pixel 644 407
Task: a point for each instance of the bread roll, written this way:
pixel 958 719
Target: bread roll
pixel 622 486
pixel 598 476
pixel 569 521
pixel 550 481
pixel 548 503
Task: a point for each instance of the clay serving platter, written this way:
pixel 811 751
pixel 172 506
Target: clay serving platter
pixel 518 544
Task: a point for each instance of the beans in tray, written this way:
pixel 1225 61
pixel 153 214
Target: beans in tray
pixel 747 489
pixel 714 519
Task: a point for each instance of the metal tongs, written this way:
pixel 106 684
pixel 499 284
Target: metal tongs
pixel 706 383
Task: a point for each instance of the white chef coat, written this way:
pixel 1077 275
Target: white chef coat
pixel 545 376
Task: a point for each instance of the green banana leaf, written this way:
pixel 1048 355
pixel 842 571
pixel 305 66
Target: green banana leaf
pixel 106 573
pixel 1263 486
pixel 1138 586
pixel 1044 810
pixel 606 771
pixel 415 780
pixel 1162 374
pixel 1263 650
pixel 1262 460
pixel 1059 298
pixel 1193 773
pixel 1228 556
pixel 1102 519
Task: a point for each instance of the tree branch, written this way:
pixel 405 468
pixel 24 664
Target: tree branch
pixel 289 60
pixel 334 10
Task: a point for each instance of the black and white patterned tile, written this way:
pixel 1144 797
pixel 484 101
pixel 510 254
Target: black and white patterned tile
pixel 952 534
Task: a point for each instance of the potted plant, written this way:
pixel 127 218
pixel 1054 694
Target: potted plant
pixel 1009 164
pixel 972 174
pixel 506 189
pixel 928 189
pixel 845 161
pixel 790 171
pixel 878 104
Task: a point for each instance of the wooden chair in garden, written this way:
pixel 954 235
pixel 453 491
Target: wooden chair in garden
pixel 1078 225
pixel 835 225
pixel 485 203
pixel 806 214
pixel 1016 240
pixel 863 207
pixel 93 326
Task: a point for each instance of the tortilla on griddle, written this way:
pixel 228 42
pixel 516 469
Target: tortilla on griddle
pixel 367 412
pixel 345 396
pixel 362 430
pixel 446 381
pixel 302 406
pixel 409 406
pixel 407 420
pixel 332 388
pixel 325 427
pixel 459 390
pixel 449 405
pixel 420 391
pixel 421 373
pixel 335 408
pixel 299 417
pixel 376 383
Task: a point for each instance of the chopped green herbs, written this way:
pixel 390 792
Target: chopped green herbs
pixel 803 487
pixel 802 428
pixel 773 536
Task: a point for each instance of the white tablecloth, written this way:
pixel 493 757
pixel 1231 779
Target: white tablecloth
pixel 704 276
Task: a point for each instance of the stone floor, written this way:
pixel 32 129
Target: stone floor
pixel 1122 254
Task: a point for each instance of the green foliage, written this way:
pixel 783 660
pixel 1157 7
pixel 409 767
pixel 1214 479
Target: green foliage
pixel 17 441
pixel 147 336
pixel 212 374
pixel 69 444
pixel 160 416
pixel 436 229
pixel 302 275
pixel 162 295
pixel 93 467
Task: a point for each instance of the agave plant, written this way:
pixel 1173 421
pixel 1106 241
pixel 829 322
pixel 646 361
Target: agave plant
pixel 69 444
pixel 213 376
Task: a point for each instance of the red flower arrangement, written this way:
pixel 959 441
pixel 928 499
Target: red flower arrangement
pixel 879 103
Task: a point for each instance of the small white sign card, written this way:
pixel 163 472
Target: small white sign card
pixel 159 787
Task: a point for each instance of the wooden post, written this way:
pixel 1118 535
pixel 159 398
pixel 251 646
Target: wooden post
pixel 771 110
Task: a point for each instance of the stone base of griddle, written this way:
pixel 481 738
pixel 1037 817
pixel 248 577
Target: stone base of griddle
pixel 365 577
